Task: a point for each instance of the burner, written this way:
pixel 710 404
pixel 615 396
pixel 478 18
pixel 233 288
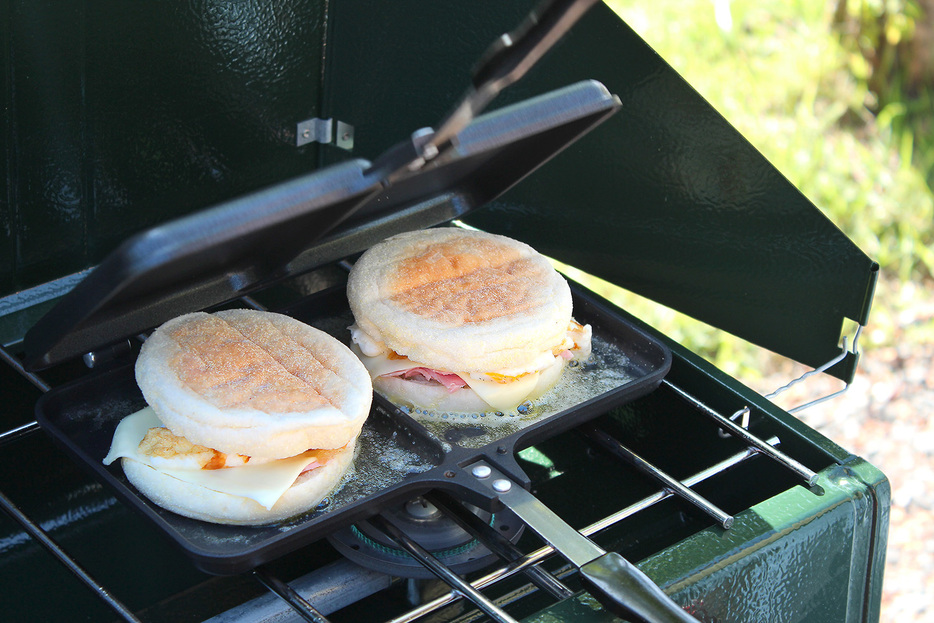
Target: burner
pixel 430 528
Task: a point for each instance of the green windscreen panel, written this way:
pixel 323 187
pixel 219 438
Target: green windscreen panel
pixel 668 200
pixel 123 115
pixel 144 114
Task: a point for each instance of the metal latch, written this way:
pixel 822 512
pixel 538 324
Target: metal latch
pixel 324 131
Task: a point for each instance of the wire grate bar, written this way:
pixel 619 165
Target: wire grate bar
pixel 497 543
pixel 617 449
pixel 732 427
pixel 460 586
pixel 40 535
pixel 34 530
pixel 17 365
pixel 298 603
pixel 19 432
pixel 28 428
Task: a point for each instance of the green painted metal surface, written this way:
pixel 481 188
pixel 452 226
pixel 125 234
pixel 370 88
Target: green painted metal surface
pixel 807 559
pixel 802 554
pixel 147 112
pixel 668 200
pixel 123 115
pixel 811 554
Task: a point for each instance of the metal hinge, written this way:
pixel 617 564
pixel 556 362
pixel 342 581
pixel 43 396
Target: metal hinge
pixel 324 131
pixel 743 414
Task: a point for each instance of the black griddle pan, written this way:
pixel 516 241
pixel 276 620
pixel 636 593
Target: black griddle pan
pixel 399 456
pixel 433 177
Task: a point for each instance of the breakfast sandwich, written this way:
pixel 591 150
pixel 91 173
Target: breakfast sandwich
pixel 456 320
pixel 252 417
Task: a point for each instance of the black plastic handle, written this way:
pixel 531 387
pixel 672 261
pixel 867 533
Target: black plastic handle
pixel 627 592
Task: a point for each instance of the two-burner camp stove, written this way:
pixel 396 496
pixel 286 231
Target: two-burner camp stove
pixel 217 157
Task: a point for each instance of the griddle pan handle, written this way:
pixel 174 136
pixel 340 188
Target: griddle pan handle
pixel 514 53
pixel 627 592
pixel 506 61
pixel 620 586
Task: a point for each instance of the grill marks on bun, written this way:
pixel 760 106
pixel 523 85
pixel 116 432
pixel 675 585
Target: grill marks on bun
pixel 253 383
pixel 239 362
pixel 466 281
pixel 493 304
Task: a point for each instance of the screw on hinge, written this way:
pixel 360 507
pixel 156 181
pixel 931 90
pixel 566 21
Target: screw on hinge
pixel 322 131
pixel 344 136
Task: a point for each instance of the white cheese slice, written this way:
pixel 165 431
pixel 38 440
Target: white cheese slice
pixel 381 364
pixel 264 482
pixel 504 396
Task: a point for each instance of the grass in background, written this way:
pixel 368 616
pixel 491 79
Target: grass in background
pixel 799 91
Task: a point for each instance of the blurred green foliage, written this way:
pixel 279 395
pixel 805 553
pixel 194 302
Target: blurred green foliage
pixel 888 52
pixel 800 80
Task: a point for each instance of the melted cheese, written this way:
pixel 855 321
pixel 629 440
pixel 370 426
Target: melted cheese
pixel 264 482
pixel 382 364
pixel 504 396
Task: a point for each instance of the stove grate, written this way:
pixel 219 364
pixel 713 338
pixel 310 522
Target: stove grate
pixel 300 596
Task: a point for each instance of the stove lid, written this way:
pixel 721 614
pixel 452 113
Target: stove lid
pixel 219 254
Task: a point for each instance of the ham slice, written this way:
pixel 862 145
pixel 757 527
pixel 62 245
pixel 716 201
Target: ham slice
pixel 451 382
pixel 310 467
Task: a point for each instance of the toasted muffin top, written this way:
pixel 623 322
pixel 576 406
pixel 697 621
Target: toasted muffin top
pixel 245 361
pixel 253 383
pixel 460 300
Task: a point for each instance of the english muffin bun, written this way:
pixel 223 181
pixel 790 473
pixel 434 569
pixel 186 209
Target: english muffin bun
pixel 253 383
pixel 441 314
pixel 252 418
pixel 200 502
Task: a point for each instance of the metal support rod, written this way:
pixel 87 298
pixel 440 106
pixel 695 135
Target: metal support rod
pixel 13 434
pixel 761 446
pixel 497 543
pixel 29 427
pixel 443 572
pixel 544 552
pixel 40 535
pixel 330 588
pixel 289 596
pixel 17 365
pixel 701 476
pixel 252 303
pixel 616 448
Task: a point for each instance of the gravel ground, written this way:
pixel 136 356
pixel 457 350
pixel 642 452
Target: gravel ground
pixel 887 417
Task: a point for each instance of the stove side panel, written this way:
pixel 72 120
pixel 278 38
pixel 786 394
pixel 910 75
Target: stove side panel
pixel 812 554
pixel 6 142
